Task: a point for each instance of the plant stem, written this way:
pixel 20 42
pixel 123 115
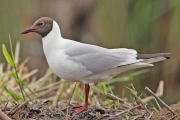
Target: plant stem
pixel 20 85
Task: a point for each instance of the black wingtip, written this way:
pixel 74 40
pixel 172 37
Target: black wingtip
pixel 148 56
pixel 168 57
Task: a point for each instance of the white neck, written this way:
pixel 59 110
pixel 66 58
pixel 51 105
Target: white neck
pixel 52 41
pixel 53 37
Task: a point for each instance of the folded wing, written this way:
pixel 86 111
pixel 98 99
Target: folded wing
pixel 97 59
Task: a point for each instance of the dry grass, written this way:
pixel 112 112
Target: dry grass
pixel 23 95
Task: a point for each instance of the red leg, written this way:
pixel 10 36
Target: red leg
pixel 80 109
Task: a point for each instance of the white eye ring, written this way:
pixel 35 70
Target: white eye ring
pixel 41 23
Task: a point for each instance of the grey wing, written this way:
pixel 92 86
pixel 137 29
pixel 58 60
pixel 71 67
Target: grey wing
pixel 97 59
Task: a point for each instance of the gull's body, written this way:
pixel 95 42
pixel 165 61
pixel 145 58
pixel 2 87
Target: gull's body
pixel 75 61
pixel 65 59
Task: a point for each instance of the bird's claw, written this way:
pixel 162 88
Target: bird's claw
pixel 79 109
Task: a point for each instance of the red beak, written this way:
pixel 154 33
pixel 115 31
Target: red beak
pixel 28 31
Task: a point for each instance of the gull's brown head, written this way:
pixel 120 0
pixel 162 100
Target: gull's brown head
pixel 42 26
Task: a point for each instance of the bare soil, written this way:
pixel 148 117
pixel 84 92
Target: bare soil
pixel 165 114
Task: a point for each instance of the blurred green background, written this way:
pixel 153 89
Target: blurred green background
pixel 149 26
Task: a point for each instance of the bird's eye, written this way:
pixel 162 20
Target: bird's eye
pixel 40 24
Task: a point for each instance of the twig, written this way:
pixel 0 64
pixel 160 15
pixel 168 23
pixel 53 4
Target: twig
pixel 95 100
pixel 150 116
pixel 8 113
pixel 127 110
pixel 132 86
pixel 99 108
pixel 113 97
pixel 146 88
pixel 159 93
pixel 97 104
pixel 4 116
pixel 67 113
pixel 17 108
pixel 137 99
pixel 174 116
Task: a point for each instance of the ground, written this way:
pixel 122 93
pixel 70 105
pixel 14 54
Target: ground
pixel 43 111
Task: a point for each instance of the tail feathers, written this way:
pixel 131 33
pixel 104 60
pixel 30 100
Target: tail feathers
pixel 149 56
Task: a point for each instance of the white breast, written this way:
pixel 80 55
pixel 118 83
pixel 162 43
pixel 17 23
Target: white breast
pixel 65 68
pixel 53 46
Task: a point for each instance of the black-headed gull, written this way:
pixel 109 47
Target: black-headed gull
pixel 75 61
